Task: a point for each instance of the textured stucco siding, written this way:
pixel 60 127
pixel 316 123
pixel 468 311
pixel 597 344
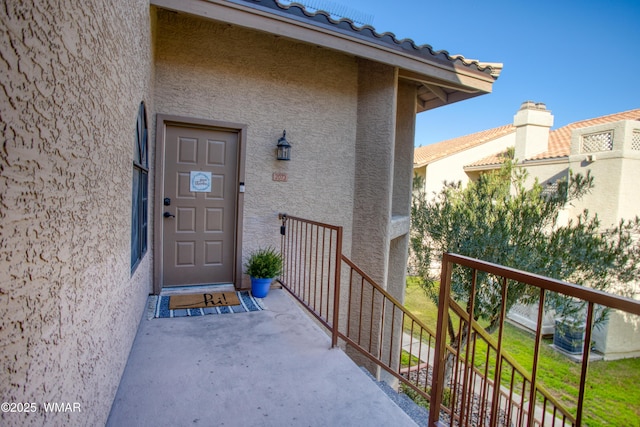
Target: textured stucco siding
pixel 629 202
pixel 616 176
pixel 208 70
pixel 377 102
pixel 547 173
pixel 71 76
pixel 402 189
pixel 615 173
pixel 619 337
pixel 604 199
pixel 373 198
pixel 404 147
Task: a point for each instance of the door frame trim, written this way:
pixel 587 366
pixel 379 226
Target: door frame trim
pixel 162 121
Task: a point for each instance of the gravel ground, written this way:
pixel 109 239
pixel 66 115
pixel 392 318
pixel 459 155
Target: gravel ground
pixel 421 416
pixel 417 413
pixel 426 374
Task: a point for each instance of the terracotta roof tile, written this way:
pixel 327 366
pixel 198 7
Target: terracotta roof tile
pixel 560 139
pixel 494 159
pixel 430 153
pixel 368 32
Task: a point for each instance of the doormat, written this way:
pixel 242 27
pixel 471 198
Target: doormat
pixel 245 303
pixel 205 300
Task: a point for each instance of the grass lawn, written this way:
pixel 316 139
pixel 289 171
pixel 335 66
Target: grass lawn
pixel 613 388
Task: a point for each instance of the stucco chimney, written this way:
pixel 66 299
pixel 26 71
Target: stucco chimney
pixel 532 123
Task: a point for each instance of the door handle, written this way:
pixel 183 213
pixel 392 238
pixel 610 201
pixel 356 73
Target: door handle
pixel 168 215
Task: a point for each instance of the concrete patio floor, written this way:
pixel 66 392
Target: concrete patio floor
pixel 269 368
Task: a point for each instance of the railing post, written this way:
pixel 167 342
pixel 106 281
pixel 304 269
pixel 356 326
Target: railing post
pixel 336 292
pixel 283 247
pixel 585 362
pixel 440 362
pixel 536 358
pixel 495 402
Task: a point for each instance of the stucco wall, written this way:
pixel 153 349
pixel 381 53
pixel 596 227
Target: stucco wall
pixel 619 337
pixel 629 202
pixel 377 99
pixel 212 71
pixel 616 172
pixel 71 81
pixel 546 173
pixel 616 175
pixel 604 199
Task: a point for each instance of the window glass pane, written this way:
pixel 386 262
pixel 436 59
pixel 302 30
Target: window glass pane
pixel 143 217
pixel 140 189
pixel 135 218
pixel 143 148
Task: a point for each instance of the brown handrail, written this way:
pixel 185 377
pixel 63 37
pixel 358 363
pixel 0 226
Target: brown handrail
pixel 297 243
pixel 570 289
pixel 317 268
pixel 417 327
pixel 374 323
pixel 447 307
pixel 478 329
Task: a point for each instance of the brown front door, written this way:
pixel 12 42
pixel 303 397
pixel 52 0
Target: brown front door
pixel 200 202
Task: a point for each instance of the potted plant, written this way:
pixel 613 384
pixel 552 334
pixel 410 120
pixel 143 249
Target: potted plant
pixel 263 265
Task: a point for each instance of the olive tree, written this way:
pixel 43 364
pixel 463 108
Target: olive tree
pixel 501 220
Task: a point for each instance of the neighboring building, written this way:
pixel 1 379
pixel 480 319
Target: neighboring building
pixel 115 113
pixel 440 162
pixel 608 146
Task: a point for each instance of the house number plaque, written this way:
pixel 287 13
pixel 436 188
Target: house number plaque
pixel 279 177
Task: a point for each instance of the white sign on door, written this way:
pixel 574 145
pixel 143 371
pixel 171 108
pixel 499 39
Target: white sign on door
pixel 200 182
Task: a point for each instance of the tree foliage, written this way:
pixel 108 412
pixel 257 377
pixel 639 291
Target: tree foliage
pixel 499 219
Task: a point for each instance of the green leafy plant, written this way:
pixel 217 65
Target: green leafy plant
pixel 265 263
pixel 502 219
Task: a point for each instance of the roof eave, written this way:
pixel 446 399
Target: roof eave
pixel 546 160
pixel 471 82
pixel 480 168
pixel 528 162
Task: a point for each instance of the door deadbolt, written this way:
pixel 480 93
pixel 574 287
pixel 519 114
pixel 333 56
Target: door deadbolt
pixel 167 201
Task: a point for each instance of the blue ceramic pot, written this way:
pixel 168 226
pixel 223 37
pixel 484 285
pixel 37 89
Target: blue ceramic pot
pixel 260 287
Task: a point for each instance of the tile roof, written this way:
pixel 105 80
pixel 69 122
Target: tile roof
pixel 560 139
pixel 492 160
pixel 430 153
pixel 320 17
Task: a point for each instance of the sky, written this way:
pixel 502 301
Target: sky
pixel 579 57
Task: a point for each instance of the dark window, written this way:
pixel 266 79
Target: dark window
pixel 140 190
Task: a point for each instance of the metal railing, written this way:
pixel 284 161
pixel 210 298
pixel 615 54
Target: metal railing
pixel 374 324
pixel 508 395
pixel 311 253
pixel 467 377
pixel 380 328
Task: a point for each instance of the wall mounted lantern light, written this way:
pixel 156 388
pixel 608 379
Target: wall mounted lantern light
pixel 284 148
